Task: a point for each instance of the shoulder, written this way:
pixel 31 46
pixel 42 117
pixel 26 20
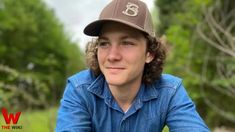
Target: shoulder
pixel 76 94
pixel 81 78
pixel 168 81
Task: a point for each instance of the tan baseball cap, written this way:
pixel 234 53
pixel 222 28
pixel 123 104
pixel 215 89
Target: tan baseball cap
pixel 133 13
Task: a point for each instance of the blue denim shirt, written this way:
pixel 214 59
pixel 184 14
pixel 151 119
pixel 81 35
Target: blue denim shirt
pixel 88 105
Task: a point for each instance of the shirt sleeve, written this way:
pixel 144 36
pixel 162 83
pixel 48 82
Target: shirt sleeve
pixel 182 115
pixel 73 114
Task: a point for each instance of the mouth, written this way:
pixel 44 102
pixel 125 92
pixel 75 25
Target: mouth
pixel 115 69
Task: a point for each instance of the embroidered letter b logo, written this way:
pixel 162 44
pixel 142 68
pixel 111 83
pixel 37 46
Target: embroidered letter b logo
pixel 131 9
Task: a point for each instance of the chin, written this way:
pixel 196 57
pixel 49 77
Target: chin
pixel 114 82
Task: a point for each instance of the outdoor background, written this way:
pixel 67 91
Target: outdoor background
pixel 41 44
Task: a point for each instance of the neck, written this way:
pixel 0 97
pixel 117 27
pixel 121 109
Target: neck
pixel 124 95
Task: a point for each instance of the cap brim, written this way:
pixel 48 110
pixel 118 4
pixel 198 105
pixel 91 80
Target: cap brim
pixel 94 28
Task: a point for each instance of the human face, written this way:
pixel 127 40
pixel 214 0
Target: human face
pixel 122 54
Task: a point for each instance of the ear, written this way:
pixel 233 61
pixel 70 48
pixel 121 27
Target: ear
pixel 149 57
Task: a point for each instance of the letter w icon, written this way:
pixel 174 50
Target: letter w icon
pixel 10 116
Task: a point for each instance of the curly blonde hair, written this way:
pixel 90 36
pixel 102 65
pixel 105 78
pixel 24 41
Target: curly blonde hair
pixel 152 70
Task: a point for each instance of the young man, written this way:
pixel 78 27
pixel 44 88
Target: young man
pixel 124 90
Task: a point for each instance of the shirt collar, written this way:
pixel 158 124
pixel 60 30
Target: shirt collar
pixel 100 88
pixel 149 92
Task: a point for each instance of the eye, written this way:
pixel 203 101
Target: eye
pixel 103 44
pixel 127 43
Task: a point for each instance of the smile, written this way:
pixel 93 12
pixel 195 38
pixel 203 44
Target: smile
pixel 115 69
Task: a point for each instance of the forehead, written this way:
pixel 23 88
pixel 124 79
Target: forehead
pixel 114 27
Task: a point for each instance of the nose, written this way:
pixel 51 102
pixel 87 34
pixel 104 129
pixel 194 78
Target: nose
pixel 114 53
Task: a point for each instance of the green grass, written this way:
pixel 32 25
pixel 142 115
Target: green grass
pixel 34 121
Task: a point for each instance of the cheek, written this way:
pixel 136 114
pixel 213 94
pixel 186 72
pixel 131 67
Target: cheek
pixel 100 58
pixel 139 54
pixel 137 60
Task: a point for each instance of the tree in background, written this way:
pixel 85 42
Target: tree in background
pixel 35 55
pixel 218 30
pixel 207 70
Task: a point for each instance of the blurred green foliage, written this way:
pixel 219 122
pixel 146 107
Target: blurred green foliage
pixel 208 71
pixel 36 56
